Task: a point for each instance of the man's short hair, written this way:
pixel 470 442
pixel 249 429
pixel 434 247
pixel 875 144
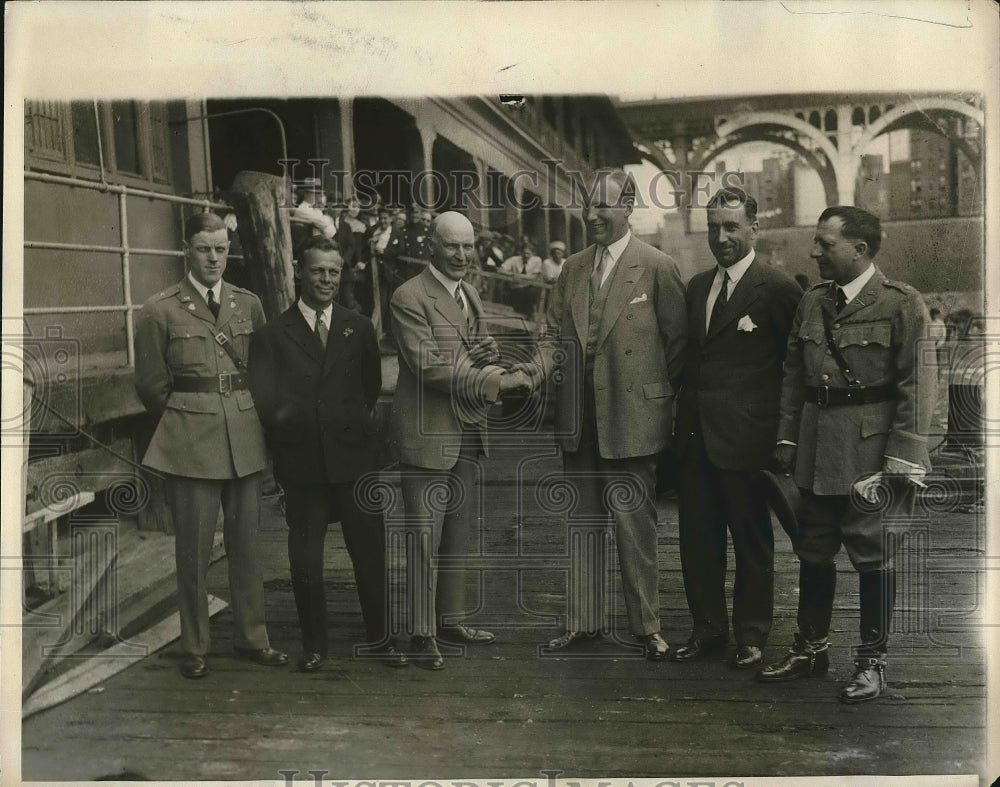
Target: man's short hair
pixel 624 180
pixel 858 224
pixel 203 221
pixel 733 197
pixel 316 243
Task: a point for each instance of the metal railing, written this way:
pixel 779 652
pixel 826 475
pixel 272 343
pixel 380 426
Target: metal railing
pixel 124 250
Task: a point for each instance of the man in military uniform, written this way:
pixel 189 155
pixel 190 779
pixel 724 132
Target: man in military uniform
pixel 190 351
pixel 852 417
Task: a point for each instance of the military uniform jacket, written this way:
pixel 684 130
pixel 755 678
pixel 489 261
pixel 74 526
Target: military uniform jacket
pixel 878 334
pixel 199 435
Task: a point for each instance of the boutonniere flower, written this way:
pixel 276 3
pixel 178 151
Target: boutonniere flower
pixel 746 324
pixel 348 331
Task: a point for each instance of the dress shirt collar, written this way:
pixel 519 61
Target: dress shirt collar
pixel 310 314
pixel 203 290
pixel 736 270
pixel 449 284
pixel 853 288
pixel 617 248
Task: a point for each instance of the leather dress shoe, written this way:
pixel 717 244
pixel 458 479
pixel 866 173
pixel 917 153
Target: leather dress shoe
pixel 390 656
pixel 425 654
pixel 267 657
pixel 656 646
pixel 194 666
pixel 747 657
pixel 868 682
pixel 464 635
pixel 571 638
pixel 698 648
pixel 309 662
pixel 802 661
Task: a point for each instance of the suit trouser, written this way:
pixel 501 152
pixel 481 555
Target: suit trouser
pixel 441 508
pixel 308 511
pixel 194 503
pixel 710 499
pixel 623 490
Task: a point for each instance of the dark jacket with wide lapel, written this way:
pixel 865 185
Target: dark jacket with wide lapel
pixel 439 388
pixel 207 434
pixel 638 355
pixel 316 405
pixel 732 373
pixel 879 334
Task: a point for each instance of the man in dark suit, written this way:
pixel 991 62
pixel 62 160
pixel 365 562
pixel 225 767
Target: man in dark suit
pixel 448 378
pixel 739 315
pixel 316 374
pixel 616 320
pixel 190 349
pixel 855 414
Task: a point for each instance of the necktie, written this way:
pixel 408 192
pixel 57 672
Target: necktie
pixel 596 278
pixel 721 301
pixel 841 300
pixel 213 305
pixel 460 300
pixel 321 330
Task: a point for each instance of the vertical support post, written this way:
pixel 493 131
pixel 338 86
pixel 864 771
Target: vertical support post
pixel 126 276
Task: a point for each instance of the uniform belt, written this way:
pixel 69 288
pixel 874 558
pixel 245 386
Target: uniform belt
pixel 825 396
pixel 222 383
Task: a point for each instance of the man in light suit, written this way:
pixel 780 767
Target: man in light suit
pixel 855 413
pixel 316 374
pixel 616 318
pixel 448 379
pixel 739 315
pixel 190 373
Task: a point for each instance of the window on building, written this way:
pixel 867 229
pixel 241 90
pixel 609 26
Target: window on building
pixel 130 138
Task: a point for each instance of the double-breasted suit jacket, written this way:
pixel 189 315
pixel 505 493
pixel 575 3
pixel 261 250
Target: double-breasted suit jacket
pixel 638 354
pixel 732 374
pixel 316 404
pixel 210 445
pixel 612 421
pixel 727 424
pixel 878 334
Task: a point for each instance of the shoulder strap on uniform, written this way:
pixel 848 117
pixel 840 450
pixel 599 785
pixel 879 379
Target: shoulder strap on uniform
pixel 838 356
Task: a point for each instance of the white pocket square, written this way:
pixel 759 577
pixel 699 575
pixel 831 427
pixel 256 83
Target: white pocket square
pixel 640 299
pixel 746 324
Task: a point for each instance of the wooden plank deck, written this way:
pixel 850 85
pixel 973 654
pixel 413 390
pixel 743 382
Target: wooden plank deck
pixel 506 711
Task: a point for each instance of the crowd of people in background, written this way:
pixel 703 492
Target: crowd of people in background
pixel 397 240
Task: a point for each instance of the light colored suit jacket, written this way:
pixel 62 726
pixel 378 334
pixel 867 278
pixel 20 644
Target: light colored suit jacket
pixel 207 434
pixel 439 388
pixel 879 334
pixel 639 351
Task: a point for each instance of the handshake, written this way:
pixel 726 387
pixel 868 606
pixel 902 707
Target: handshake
pixel 517 378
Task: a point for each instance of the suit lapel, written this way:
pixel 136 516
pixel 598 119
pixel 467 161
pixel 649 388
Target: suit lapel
pixel 445 305
pixel 227 304
pixel 701 284
pixel 336 339
pixel 624 277
pixel 580 297
pixel 744 295
pixel 298 330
